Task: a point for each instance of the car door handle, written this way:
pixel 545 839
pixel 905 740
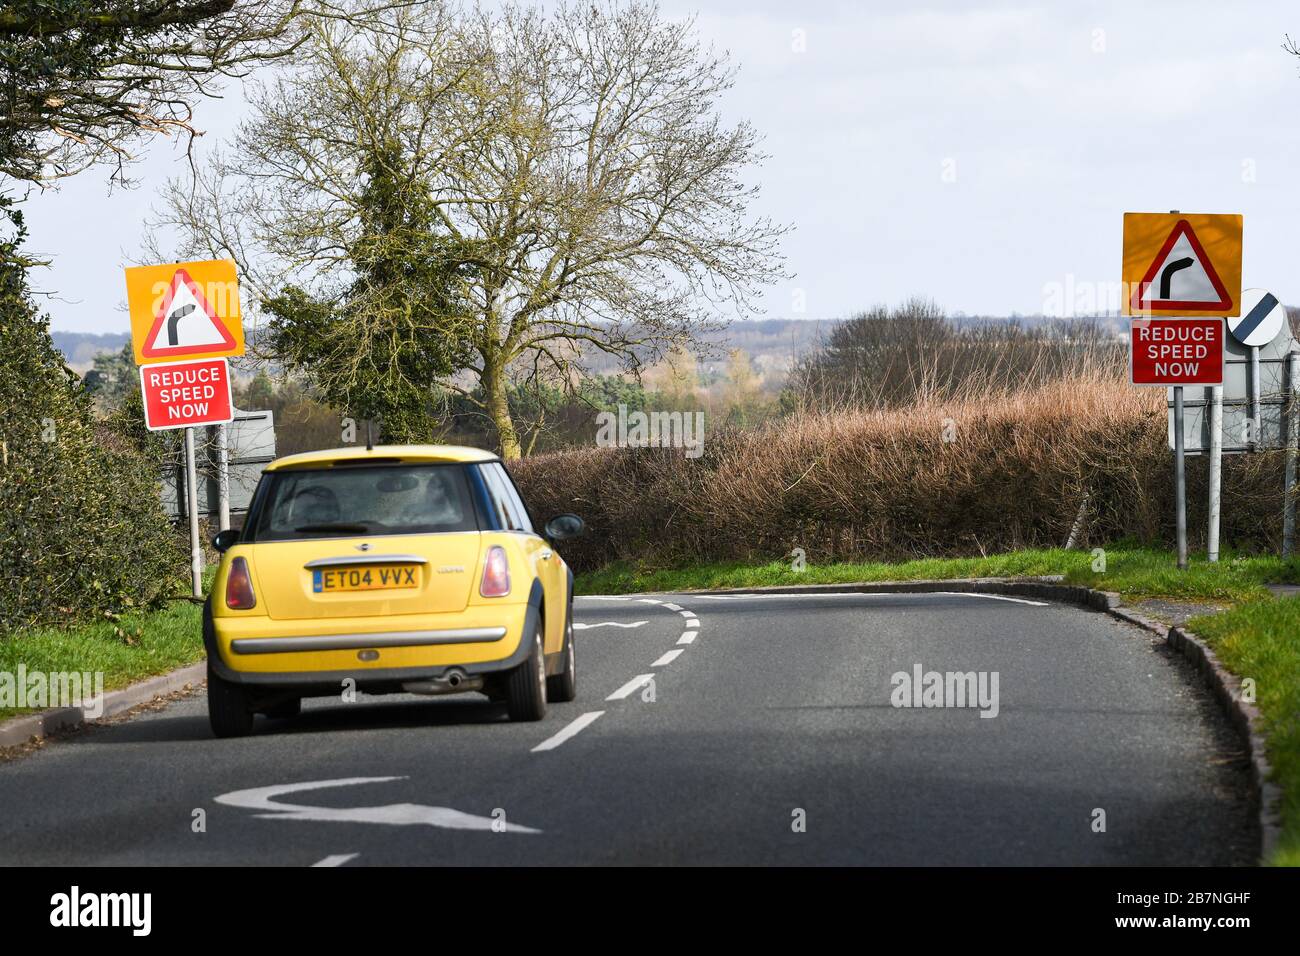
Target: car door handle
pixel 546 555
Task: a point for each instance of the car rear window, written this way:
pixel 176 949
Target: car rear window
pixel 356 500
pixel 511 512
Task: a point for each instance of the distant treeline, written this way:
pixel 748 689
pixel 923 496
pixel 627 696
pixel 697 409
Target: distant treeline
pixel 892 358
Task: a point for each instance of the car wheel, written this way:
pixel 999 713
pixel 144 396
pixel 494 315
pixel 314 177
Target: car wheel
pixel 563 687
pixel 526 684
pixel 230 711
pixel 285 709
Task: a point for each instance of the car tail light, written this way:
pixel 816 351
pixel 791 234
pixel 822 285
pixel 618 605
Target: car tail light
pixel 239 586
pixel 496 573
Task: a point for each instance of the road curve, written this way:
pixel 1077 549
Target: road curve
pixel 751 729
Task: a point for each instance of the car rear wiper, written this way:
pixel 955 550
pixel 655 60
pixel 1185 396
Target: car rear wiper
pixel 343 527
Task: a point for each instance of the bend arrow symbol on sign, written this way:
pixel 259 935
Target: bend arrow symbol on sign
pixel 395 814
pixel 1167 274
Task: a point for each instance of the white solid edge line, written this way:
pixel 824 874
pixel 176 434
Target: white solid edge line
pixel 688 637
pixel 837 594
pixel 630 687
pixel 810 594
pixel 338 859
pixel 669 657
pixel 572 729
pixel 995 597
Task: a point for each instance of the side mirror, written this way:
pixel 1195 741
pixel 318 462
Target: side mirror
pixel 564 526
pixel 224 539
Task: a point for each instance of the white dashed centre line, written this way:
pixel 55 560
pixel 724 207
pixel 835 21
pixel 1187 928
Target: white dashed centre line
pixel 631 687
pixel 572 729
pixel 337 859
pixel 691 621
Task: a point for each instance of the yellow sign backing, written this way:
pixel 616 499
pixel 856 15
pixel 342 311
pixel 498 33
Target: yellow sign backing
pixel 184 310
pixel 1182 264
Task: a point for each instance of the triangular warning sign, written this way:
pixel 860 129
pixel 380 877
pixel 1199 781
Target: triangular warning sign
pixel 185 323
pixel 1182 278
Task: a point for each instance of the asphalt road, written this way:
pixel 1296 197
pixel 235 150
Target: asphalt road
pixel 770 738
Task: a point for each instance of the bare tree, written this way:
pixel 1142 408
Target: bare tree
pixel 609 198
pixel 324 200
pixel 578 173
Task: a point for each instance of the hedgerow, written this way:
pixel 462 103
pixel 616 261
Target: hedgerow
pixel 82 532
pixel 979 474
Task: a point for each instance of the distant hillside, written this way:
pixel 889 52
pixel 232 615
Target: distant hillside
pixel 80 348
pixel 772 344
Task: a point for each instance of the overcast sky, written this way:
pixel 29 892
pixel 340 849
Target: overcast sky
pixel 982 154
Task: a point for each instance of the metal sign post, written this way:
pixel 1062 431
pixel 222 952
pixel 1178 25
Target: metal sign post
pixel 1180 478
pixel 1255 419
pixel 1216 471
pixel 1263 324
pixel 223 477
pixel 1292 448
pixel 192 506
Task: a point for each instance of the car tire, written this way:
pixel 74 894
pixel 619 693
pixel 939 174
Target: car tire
pixel 230 711
pixel 526 684
pixel 563 687
pixel 285 709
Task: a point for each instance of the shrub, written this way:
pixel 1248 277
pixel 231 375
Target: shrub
pixel 82 533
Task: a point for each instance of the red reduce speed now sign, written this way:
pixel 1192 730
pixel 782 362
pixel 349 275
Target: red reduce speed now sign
pixel 1172 352
pixel 184 394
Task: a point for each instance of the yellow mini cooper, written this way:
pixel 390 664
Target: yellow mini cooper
pixel 401 569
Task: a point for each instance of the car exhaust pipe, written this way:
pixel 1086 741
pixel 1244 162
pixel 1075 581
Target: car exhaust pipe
pixel 453 681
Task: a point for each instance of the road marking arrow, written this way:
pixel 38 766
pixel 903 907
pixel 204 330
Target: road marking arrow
pixel 395 814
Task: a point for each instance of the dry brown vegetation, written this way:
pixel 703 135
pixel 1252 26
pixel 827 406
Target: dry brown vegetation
pixel 854 483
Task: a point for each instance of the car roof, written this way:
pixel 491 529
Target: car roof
pixel 382 454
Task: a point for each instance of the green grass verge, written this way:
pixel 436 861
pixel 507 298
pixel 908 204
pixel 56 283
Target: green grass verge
pixel 1261 640
pixel 150 643
pixel 1133 571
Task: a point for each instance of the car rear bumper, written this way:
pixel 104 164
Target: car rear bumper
pixel 259 651
pixel 367 641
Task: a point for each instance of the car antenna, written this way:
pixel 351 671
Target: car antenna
pixel 370 442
